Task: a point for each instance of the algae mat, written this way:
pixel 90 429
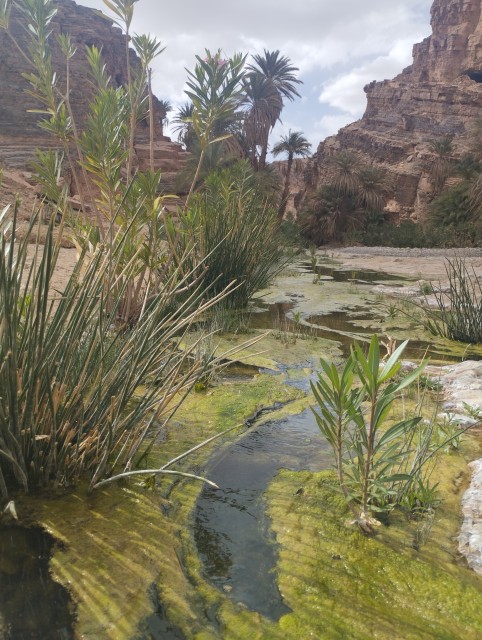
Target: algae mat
pixel 120 542
pixel 126 545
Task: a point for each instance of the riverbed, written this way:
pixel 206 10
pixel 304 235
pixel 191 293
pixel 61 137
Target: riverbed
pixel 269 555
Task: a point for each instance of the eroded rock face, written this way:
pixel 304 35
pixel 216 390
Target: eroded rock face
pixel 455 46
pixel 87 28
pixel 439 94
pixel 20 134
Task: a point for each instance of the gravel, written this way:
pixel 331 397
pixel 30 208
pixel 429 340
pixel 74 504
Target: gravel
pixel 464 252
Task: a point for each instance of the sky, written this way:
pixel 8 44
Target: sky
pixel 339 46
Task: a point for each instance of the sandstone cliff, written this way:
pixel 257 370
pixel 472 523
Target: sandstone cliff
pixel 86 28
pixel 19 131
pixel 439 94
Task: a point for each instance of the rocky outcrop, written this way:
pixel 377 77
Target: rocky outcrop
pixel 170 158
pixel 86 28
pixel 470 537
pixel 440 94
pixel 20 134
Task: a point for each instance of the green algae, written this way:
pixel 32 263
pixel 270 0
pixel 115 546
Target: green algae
pixel 405 583
pixel 272 352
pixel 225 405
pixel 115 543
pixel 118 541
pixel 328 573
pixel 341 584
pixel 313 299
pixel 364 307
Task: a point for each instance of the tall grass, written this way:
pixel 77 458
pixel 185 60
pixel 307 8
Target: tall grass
pixel 237 234
pixel 459 313
pixel 80 393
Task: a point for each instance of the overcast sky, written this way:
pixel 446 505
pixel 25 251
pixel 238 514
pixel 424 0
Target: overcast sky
pixel 338 45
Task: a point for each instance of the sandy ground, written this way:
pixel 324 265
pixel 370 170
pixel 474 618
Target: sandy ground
pixel 424 264
pixel 63 269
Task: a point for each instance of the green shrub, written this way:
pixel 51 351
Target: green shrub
pixel 407 234
pixel 375 462
pixel 329 214
pixel 452 219
pixel 452 207
pixel 377 231
pixel 234 233
pixel 78 393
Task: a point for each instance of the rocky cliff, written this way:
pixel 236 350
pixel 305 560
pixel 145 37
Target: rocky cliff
pixel 440 94
pixel 87 28
pixel 20 134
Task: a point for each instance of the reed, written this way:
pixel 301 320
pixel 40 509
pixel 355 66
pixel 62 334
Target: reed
pixel 81 393
pixel 237 234
pixel 459 312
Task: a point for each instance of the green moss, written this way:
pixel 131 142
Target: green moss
pixel 117 542
pixel 341 584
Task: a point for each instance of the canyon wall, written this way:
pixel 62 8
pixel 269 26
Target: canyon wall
pixel 86 28
pixel 20 134
pixel 440 94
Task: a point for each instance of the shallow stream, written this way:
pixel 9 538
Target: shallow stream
pixel 32 604
pixel 232 531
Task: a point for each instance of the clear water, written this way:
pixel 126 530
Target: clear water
pixel 231 528
pixel 32 605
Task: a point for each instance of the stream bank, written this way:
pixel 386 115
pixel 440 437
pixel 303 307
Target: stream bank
pixel 129 552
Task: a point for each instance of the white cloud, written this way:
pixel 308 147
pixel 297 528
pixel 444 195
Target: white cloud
pixel 345 92
pixel 351 40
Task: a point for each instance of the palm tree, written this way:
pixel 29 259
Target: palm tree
pixel 475 177
pixel 441 167
pixel 374 183
pixel 279 71
pixel 354 190
pixel 294 144
pixel 345 167
pixel 340 201
pixel 164 107
pixel 262 106
pixel 183 125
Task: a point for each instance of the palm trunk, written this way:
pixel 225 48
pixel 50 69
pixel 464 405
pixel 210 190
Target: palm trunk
pixel 264 153
pixel 286 189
